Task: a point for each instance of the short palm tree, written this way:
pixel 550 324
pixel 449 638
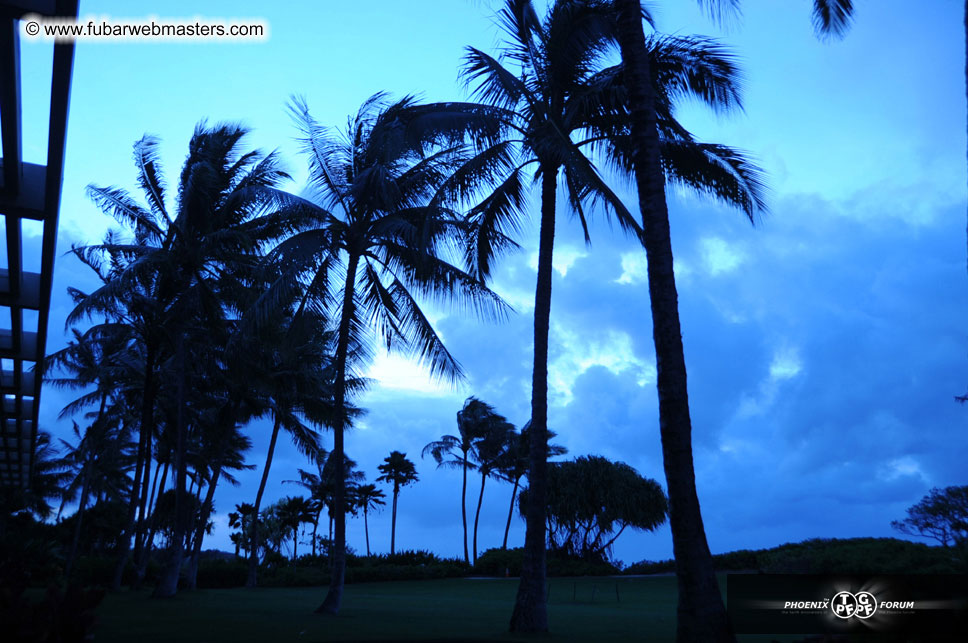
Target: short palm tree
pixel 452 451
pixel 513 465
pixel 383 229
pixel 400 472
pixel 367 497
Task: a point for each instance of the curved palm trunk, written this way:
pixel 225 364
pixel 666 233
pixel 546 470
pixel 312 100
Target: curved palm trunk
pixel 168 583
pixel 254 530
pixel 393 520
pixel 316 527
pixel 463 507
pixel 366 530
pixel 701 613
pixel 530 608
pixel 142 567
pixel 477 515
pixel 200 530
pixel 85 490
pixel 141 467
pixel 143 462
pixel 507 527
pixel 334 597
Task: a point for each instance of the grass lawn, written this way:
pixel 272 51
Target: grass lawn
pixel 581 609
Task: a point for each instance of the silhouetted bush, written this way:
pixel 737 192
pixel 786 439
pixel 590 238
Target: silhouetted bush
pixel 61 616
pixel 218 574
pixel 501 562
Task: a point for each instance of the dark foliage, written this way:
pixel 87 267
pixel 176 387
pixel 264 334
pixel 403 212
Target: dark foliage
pixel 830 556
pixel 507 562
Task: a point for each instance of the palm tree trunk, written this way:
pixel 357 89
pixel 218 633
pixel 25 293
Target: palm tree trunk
pixel 168 583
pixel 254 529
pixel 701 613
pixel 85 489
pixel 507 527
pixel 366 530
pixel 315 527
pixel 203 517
pixel 152 525
pixel 334 597
pixel 477 514
pixel 530 608
pixel 463 507
pixel 393 521
pixel 145 430
pixel 141 525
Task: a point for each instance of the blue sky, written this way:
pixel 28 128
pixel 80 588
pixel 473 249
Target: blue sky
pixel 824 345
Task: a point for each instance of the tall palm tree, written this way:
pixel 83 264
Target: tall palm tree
pixel 453 452
pixel 701 612
pixel 217 228
pixel 383 231
pixel 368 496
pixel 493 431
pixel 400 472
pixel 563 103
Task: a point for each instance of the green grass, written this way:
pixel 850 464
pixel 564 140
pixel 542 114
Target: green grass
pixel 580 609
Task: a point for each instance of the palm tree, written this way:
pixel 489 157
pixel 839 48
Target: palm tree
pixel 100 462
pixel 295 376
pixel 322 486
pixel 240 519
pixel 400 472
pixel 49 475
pixel 492 430
pixel 368 496
pixel 563 103
pixel 179 257
pixel 701 613
pixel 385 230
pixel 514 464
pixel 293 512
pixel 453 451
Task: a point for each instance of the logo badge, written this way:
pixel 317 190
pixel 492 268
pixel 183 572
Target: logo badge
pixel 860 605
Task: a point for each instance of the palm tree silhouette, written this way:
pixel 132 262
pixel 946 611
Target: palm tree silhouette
pixel 400 472
pixel 563 103
pixel 702 615
pixel 386 225
pixel 368 496
pixel 179 258
pixel 453 452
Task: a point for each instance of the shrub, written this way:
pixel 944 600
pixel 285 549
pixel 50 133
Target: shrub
pixel 220 574
pixel 501 562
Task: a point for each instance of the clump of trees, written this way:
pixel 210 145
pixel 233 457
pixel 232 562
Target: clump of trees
pixel 592 501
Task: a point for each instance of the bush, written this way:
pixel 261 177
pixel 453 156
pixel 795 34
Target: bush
pixel 500 562
pixel 221 574
pixel 508 562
